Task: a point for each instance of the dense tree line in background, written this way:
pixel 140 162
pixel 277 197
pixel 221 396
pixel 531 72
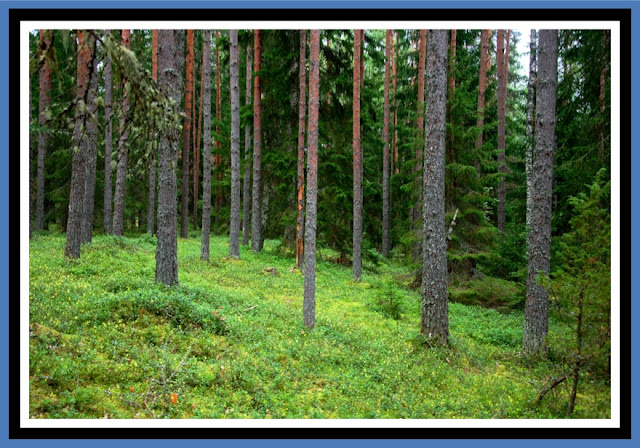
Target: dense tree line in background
pixel 429 147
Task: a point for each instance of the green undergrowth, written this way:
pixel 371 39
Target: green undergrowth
pixel 228 342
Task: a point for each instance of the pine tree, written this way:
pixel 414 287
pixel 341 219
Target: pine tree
pixel 531 104
pixel 86 59
pixel 246 187
pixel 309 304
pixel 386 215
pixel 234 236
pixel 482 88
pixel 108 144
pixel 537 304
pixel 188 102
pixel 256 221
pixel 206 160
pixel 123 153
pixel 435 319
pixel 170 53
pixel 44 102
pixel 91 123
pixel 151 209
pixel 502 110
pixel 357 161
pixel 302 67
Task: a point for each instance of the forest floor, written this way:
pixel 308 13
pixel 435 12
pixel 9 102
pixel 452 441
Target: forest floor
pixel 107 342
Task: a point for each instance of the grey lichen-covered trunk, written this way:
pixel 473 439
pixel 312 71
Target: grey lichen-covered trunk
pixel 123 154
pixel 256 221
pixel 108 139
pixel 170 51
pixel 386 216
pixel 435 303
pixel 357 157
pixel 537 304
pixel 309 304
pixel 302 100
pixel 502 109
pixel 531 103
pixel 234 231
pixel 86 52
pixel 92 156
pixel 246 187
pixel 206 151
pixel 44 101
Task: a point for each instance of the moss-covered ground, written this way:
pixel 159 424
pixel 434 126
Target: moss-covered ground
pixel 228 342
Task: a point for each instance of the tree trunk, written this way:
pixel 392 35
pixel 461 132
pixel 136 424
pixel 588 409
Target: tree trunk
pixel 357 156
pixel 44 102
pixel 452 86
pixel 309 305
pixel 151 209
pixel 386 216
pixel 256 227
pixel 601 97
pixel 91 123
pixel 302 97
pixel 531 102
pixel 394 162
pixel 123 154
pixel 188 101
pixel 206 152
pixel 435 319
pixel 170 53
pixel 197 141
pixel 234 233
pixel 502 104
pixel 482 88
pixel 537 304
pixel 420 123
pixel 86 53
pixel 219 118
pixel 246 194
pixel 31 189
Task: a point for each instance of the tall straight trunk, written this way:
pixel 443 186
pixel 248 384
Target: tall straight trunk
pixel 386 216
pixel 123 155
pixel 170 55
pixel 44 101
pixel 537 304
pixel 197 140
pixel 357 156
pixel 234 232
pixel 151 208
pixel 196 148
pixel 420 123
pixel 256 222
pixel 184 207
pixel 396 169
pixel 246 187
pixel 435 303
pixel 452 86
pixel 601 97
pixel 502 107
pixel 219 118
pixel 302 97
pixel 92 155
pixel 482 88
pixel 86 59
pixel 206 151
pixel 309 304
pixel 31 189
pixel 531 102
pixel 108 144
